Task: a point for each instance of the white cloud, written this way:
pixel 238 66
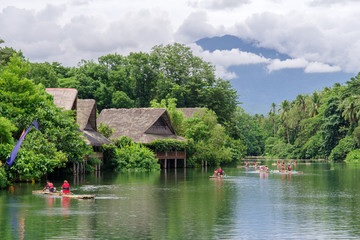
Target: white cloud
pixel 318 31
pixel 195 27
pixel 277 64
pixel 316 67
pixel 218 4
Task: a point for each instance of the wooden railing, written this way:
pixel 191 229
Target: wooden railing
pixel 171 155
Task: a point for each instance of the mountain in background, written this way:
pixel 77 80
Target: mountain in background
pixel 257 88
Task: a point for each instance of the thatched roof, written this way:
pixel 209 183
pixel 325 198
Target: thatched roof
pixel 142 125
pixel 86 114
pixel 86 118
pixel 65 98
pixel 189 112
pixel 94 138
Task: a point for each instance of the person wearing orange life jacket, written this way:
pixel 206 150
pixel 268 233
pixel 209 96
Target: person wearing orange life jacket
pixel 65 187
pixel 220 171
pixel 50 186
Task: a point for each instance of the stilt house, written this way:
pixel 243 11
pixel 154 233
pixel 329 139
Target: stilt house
pixel 85 110
pixel 144 125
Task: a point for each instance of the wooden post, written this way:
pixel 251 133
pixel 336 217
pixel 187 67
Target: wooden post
pixel 74 169
pixel 175 162
pixel 185 163
pixel 165 163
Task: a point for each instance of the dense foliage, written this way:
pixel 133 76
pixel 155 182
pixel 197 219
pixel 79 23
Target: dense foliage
pixel 206 138
pixel 117 81
pixel 126 155
pixel 322 125
pixel 21 103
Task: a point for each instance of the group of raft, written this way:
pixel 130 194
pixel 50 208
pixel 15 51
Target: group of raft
pixel 282 167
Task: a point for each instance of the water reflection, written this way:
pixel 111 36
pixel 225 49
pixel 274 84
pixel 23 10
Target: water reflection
pixel 319 204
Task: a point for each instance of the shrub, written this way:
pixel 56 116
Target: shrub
pixel 344 146
pixel 136 158
pixel 353 156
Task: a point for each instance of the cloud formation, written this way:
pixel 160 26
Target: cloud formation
pixel 318 36
pixel 218 4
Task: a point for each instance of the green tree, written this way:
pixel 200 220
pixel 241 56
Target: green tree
pixel 105 130
pixel 6 130
pixel 285 109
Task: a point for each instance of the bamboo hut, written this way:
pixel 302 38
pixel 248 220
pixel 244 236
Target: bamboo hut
pixel 144 125
pixel 189 112
pixel 85 114
pixel 86 119
pixel 65 98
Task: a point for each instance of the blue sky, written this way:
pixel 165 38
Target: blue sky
pixel 258 88
pixel 288 47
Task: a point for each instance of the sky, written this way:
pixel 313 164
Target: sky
pixel 320 38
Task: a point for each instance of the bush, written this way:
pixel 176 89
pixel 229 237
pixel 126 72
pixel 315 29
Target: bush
pixel 163 145
pixel 344 146
pixel 353 156
pixel 3 180
pixel 312 148
pixel 136 158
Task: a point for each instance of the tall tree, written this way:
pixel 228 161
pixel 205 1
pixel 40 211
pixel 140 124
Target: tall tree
pixel 284 115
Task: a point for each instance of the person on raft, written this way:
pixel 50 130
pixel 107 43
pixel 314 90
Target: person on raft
pixel 65 187
pixel 50 186
pixel 220 172
pixel 289 168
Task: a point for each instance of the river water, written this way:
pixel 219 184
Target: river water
pixel 322 203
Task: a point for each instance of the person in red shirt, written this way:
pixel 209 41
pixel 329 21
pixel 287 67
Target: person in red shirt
pixel 50 186
pixel 65 187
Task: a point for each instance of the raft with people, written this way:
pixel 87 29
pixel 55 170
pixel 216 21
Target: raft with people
pixel 49 189
pixel 218 173
pixel 61 194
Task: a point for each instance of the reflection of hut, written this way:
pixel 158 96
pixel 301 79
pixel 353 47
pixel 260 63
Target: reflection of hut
pixel 144 125
pixel 86 118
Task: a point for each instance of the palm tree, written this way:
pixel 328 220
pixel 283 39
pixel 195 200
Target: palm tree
pixel 350 108
pixel 272 114
pixel 315 104
pixel 300 101
pixel 285 109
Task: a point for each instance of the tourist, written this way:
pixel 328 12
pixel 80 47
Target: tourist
pixel 49 186
pixel 220 171
pixel 215 172
pixel 289 167
pixel 65 187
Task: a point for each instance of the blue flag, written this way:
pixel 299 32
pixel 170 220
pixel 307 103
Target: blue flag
pixel 14 152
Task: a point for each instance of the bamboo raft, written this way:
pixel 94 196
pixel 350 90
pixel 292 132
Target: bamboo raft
pixel 279 171
pixel 287 172
pixel 221 176
pixel 60 194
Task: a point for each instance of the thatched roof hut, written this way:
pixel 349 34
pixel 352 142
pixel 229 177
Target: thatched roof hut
pixel 189 112
pixel 65 98
pixel 142 125
pixel 86 118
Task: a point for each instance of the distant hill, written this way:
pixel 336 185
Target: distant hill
pixel 229 42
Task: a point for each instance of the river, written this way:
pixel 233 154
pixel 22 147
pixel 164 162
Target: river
pixel 322 203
